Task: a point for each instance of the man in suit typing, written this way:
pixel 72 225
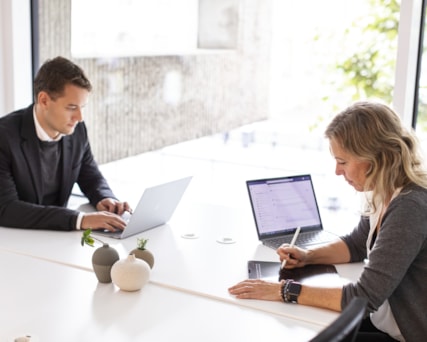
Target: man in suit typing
pixel 44 151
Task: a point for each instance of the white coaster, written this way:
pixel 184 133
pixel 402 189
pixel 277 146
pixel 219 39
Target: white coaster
pixel 190 236
pixel 226 240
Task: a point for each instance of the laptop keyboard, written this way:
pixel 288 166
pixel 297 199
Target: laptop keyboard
pixel 304 239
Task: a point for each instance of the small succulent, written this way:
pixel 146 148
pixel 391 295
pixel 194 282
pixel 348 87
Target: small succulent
pixel 88 239
pixel 140 243
pixel 141 252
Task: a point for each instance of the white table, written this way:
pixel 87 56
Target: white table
pixel 53 302
pixel 200 266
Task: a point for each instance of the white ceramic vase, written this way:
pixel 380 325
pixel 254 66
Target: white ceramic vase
pixel 130 274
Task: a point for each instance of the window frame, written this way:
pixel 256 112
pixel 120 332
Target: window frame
pixel 408 63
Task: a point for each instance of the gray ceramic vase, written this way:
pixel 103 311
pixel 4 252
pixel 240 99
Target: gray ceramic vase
pixel 102 260
pixel 144 254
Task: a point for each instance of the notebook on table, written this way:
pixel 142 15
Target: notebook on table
pixel 318 274
pixel 155 208
pixel 280 205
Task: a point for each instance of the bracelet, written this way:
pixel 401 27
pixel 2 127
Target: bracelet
pixel 285 290
pixel 282 292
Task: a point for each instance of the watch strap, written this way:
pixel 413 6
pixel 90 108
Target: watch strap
pixel 290 290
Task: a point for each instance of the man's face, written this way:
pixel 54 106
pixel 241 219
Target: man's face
pixel 62 115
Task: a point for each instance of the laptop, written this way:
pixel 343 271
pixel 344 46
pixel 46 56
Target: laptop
pixel 280 205
pixel 155 208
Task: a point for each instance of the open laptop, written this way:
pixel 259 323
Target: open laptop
pixel 155 208
pixel 280 205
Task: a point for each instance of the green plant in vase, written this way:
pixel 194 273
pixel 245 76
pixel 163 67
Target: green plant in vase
pixel 88 239
pixel 141 252
pixel 102 259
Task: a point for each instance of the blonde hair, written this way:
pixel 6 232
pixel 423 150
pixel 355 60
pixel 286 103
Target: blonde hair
pixel 374 133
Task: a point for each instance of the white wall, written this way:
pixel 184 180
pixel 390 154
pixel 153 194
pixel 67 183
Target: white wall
pixel 15 55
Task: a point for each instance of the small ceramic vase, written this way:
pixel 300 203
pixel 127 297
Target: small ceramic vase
pixel 130 274
pixel 144 254
pixel 102 260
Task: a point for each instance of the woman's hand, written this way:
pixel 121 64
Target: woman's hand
pixel 257 289
pixel 294 256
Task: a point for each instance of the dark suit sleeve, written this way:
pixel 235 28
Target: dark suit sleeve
pixel 18 202
pixel 21 182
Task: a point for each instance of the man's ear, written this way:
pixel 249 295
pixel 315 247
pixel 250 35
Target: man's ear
pixel 43 98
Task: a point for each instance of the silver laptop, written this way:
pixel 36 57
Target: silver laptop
pixel 155 208
pixel 280 205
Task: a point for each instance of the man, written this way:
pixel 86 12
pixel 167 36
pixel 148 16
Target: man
pixel 44 151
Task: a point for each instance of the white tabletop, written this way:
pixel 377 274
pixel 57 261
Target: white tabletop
pixel 48 288
pixel 53 302
pixel 201 266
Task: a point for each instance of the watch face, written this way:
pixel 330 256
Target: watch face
pixel 294 290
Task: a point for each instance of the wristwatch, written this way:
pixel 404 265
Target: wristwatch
pixel 290 291
pixel 294 289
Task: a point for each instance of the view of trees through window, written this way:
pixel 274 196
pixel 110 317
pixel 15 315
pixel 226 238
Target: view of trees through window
pixel 328 54
pixel 324 56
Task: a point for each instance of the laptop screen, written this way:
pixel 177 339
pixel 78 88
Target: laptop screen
pixel 280 205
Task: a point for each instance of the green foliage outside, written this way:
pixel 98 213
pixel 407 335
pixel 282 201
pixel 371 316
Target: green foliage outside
pixel 369 69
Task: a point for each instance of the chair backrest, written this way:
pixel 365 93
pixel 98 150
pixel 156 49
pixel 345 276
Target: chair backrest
pixel 346 326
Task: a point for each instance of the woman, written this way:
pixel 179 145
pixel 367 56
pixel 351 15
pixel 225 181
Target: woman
pixel 378 156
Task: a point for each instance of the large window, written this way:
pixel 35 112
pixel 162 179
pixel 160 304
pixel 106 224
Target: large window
pixel 152 89
pixel 327 54
pixel 296 63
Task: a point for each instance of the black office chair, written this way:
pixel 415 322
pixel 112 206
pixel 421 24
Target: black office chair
pixel 346 326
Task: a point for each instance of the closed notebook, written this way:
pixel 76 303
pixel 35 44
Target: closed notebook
pixel 320 275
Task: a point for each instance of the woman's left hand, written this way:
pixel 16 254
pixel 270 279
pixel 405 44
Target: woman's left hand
pixel 256 289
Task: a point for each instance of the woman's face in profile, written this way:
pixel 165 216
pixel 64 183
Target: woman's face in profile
pixel 347 165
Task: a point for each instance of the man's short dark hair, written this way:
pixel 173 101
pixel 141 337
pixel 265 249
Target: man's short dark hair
pixel 55 74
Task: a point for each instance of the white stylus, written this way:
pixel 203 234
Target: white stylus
pixel 294 239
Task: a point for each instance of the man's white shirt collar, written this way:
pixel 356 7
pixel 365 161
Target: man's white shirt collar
pixel 41 133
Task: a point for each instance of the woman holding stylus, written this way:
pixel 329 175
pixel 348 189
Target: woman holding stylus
pixel 378 156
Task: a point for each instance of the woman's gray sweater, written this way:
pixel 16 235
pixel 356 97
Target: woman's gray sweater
pixel 397 267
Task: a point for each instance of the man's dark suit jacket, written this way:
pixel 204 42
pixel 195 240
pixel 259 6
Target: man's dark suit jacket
pixel 21 176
